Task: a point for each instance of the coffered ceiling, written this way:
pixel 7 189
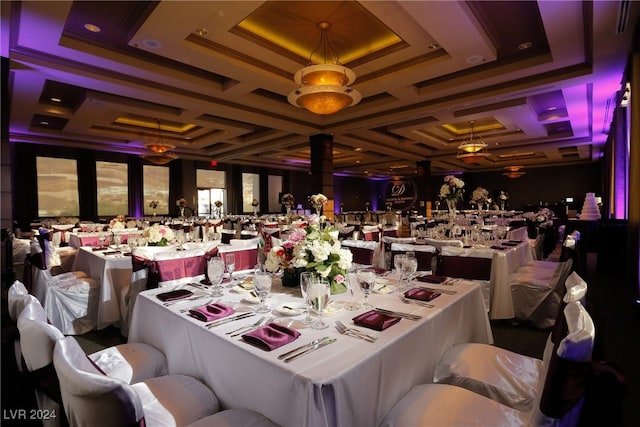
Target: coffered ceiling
pixel 537 79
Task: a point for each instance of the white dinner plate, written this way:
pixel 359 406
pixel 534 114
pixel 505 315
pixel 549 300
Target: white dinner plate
pixel 332 309
pixel 383 286
pixel 251 299
pixel 292 309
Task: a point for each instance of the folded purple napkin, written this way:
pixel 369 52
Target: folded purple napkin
pixel 174 295
pixel 432 278
pixel 271 336
pixel 210 312
pixel 510 243
pixel 421 294
pixel 500 248
pixel 111 253
pixel 378 270
pixel 375 320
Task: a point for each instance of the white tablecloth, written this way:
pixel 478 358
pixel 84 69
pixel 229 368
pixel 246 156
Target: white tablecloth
pixel 504 262
pixel 348 383
pixel 113 273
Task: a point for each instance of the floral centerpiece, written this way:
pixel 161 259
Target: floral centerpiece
pixel 451 191
pixel 504 196
pixel 543 215
pixel 255 204
pixel 480 196
pixel 117 223
pixel 181 203
pixel 312 249
pixel 318 201
pixel 288 201
pixel 154 205
pixel 158 235
pixel 218 205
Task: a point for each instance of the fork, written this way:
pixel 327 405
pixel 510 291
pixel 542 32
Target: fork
pixel 184 310
pixel 343 329
pixel 252 327
pixel 193 298
pixel 242 328
pixel 418 302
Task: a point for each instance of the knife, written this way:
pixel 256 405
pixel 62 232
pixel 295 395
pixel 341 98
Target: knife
pixel 309 350
pixel 229 319
pixel 442 291
pixel 399 314
pixel 302 347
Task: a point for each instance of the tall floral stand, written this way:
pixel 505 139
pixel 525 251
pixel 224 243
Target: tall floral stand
pixel 451 205
pixel 181 212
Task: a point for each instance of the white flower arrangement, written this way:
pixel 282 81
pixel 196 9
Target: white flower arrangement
pixel 452 189
pixel 159 235
pixel 480 195
pixel 117 223
pixel 318 200
pixel 313 249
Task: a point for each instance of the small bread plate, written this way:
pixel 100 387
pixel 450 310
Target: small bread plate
pixel 292 309
pixel 382 286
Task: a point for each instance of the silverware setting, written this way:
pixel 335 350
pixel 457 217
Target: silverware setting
pixel 353 332
pixel 229 319
pixel 251 327
pixel 408 316
pixel 417 302
pixel 179 301
pixel 310 350
pixel 193 307
pixel 442 291
pixel 302 347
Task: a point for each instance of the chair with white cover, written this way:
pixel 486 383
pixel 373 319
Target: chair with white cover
pixel 17 299
pixel 425 254
pixel 466 264
pixel 507 377
pixel 226 235
pixel 536 295
pixel 246 254
pixel 371 233
pixel 92 398
pixel 558 400
pixel 234 418
pixel 519 233
pixel 69 299
pixel 364 252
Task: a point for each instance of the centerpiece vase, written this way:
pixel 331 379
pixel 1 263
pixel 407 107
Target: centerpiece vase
pixel 181 212
pixel 501 205
pixel 291 277
pixel 451 205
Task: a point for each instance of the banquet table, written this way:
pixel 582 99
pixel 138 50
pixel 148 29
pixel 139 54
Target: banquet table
pixel 504 262
pixel 351 382
pixel 82 238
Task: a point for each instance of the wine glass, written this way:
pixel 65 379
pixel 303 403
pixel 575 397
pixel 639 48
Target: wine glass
pixel 306 279
pixel 409 268
pixel 215 271
pixel 319 292
pixel 262 287
pixel 102 238
pixel 230 260
pixel 367 280
pixel 352 282
pixel 180 239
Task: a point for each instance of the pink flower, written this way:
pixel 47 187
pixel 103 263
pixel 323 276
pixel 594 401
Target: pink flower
pixel 297 235
pixel 339 278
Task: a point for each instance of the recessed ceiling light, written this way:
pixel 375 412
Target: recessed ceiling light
pixel 44 123
pixel 552 108
pixel 434 46
pixel 525 45
pixel 55 99
pixel 152 43
pixel 201 32
pixel 474 59
pixel 92 27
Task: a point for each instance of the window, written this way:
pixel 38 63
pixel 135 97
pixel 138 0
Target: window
pixel 156 187
pixel 112 188
pixel 57 181
pixel 211 188
pixel 250 190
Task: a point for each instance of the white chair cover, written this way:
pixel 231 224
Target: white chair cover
pixel 518 234
pixel 536 299
pixel 504 376
pixel 444 404
pixel 91 398
pixel 234 417
pixel 364 252
pixel 17 298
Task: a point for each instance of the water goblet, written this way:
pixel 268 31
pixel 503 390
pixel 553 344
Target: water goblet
pixel 215 271
pixel 230 260
pixel 319 292
pixel 306 279
pixel 367 280
pixel 409 268
pixel 352 282
pixel 262 287
pixel 102 238
pixel 180 239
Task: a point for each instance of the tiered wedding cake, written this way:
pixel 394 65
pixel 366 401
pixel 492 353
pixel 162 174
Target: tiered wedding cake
pixel 590 209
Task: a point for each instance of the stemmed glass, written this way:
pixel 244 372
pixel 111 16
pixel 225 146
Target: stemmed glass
pixel 352 281
pixel 102 238
pixel 409 268
pixel 180 239
pixel 262 287
pixel 230 260
pixel 367 280
pixel 215 271
pixel 319 295
pixel 306 279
